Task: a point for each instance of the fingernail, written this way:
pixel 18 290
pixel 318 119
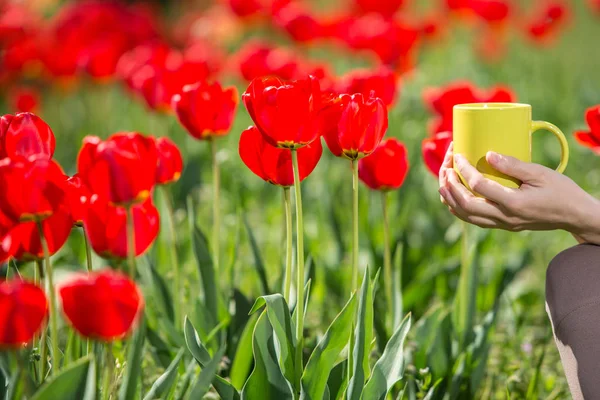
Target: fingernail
pixel 493 157
pixel 458 158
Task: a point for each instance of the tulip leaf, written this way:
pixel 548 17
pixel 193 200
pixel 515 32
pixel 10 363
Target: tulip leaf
pixel 324 356
pixel 390 367
pixel 258 260
pixel 225 389
pixel 131 378
pixel 160 349
pixel 242 362
pixel 266 380
pixel 363 334
pixel 207 273
pixel 338 380
pixel 278 313
pixel 208 375
pixel 165 382
pixel 186 379
pixel 76 382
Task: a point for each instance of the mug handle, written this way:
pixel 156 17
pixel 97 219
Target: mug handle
pixel 564 146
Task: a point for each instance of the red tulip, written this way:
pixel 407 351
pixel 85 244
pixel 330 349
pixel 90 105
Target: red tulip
pixel 24 99
pixel 595 5
pixel 591 138
pixel 490 10
pixel 206 110
pixel 121 169
pixel 274 165
pixel 547 22
pixel 106 227
pixel 152 54
pixel 78 196
pixel 442 100
pixel 257 59
pixel 286 113
pixel 434 149
pixel 384 7
pixel 299 23
pixel 23 241
pixel 23 311
pixel 245 8
pixel 382 81
pixel 352 126
pixel 35 188
pixel 102 305
pixel 386 168
pixel 170 163
pixel 25 134
pixel 6 224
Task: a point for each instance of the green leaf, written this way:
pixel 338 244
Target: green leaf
pixel 207 376
pixel 338 380
pixel 306 299
pixel 363 335
pixel 266 380
pixel 207 273
pixel 324 356
pixel 186 379
pixel 76 382
pixel 242 362
pixel 397 285
pixel 258 261
pixel 278 313
pixel 132 375
pixel 165 382
pixel 160 349
pixel 390 367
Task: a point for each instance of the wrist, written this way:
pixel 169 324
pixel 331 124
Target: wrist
pixel 585 222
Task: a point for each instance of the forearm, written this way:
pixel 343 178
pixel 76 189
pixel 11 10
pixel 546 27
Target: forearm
pixel 584 224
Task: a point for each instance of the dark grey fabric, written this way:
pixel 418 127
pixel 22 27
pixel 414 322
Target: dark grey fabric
pixel 573 304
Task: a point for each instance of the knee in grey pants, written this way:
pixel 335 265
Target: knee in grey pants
pixel 573 305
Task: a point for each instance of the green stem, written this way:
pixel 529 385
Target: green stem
pixel 43 355
pixel 467 290
pixel 174 258
pixel 130 242
pixel 288 251
pixel 216 202
pixel 88 250
pixel 53 312
pixel 109 365
pixel 387 259
pixel 299 269
pixel 355 225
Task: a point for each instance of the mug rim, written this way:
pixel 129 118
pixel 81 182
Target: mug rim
pixel 492 106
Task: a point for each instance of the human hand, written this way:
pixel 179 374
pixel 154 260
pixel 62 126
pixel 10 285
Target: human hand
pixel 545 200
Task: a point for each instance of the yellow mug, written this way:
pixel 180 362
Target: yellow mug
pixel 505 128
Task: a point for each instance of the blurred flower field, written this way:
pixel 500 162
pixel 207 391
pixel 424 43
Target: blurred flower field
pixel 153 243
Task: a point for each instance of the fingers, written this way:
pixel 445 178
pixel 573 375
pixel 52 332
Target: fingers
pixel 455 209
pixel 466 203
pixel 447 163
pixel 479 184
pixel 523 171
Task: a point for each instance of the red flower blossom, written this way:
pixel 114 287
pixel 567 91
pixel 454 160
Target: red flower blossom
pixel 6 224
pixel 24 99
pixel 206 110
pixel 152 54
pixel 382 81
pixel 434 149
pixel 274 165
pixel 257 59
pixel 78 196
pixel 170 163
pixel 286 113
pixel 102 305
pixel 595 5
pixel 299 23
pixel 246 8
pixel 490 10
pixel 106 227
pixel 25 134
pixel 591 137
pixel 121 169
pixel 384 7
pixel 442 100
pixel 546 23
pixel 23 311
pixel 35 188
pixel 386 168
pixel 352 126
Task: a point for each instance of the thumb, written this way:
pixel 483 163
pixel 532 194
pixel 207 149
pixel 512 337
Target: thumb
pixel 523 171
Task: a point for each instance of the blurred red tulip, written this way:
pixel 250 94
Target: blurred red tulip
pixel 491 10
pixel 286 113
pixel 6 246
pixel 386 167
pixel 382 82
pixel 24 99
pixel 170 162
pixel 35 188
pixel 152 54
pixel 274 165
pixel 102 305
pixel 591 137
pixel 257 59
pixel 23 241
pixel 353 126
pixel 25 134
pixel 434 149
pixel 246 8
pixel 121 169
pixel 106 227
pixel 21 55
pixel 547 22
pixel 206 110
pixel 442 100
pixel 16 20
pixel 23 311
pixel 595 5
pixel 78 197
pixel 299 23
pixel 384 7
